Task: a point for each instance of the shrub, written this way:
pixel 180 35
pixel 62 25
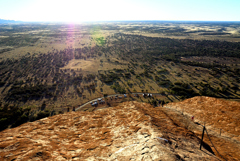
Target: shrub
pixel 42 114
pixel 118 88
pixel 105 95
pixel 182 90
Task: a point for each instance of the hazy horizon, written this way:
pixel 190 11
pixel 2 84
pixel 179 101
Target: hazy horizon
pixel 131 10
pixel 4 21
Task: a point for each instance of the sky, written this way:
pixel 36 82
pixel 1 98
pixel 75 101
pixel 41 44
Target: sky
pixel 119 10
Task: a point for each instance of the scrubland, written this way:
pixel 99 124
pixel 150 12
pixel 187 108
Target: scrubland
pixel 48 68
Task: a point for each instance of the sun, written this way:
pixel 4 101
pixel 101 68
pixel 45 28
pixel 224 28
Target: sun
pixel 68 10
pixel 74 11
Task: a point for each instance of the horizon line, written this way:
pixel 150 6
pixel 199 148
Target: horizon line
pixel 20 21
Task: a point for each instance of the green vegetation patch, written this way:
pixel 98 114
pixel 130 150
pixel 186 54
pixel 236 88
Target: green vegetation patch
pixel 118 88
pixel 101 41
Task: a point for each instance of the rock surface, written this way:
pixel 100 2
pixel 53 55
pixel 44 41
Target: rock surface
pixel 130 131
pixel 221 119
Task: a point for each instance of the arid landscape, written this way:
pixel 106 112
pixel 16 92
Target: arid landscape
pixel 77 63
pixel 191 68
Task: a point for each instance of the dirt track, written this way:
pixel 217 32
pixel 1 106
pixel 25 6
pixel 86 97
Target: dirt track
pixel 79 108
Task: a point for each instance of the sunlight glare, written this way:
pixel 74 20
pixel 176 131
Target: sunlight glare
pixel 70 10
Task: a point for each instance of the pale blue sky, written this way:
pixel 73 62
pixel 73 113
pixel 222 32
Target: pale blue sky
pixel 107 10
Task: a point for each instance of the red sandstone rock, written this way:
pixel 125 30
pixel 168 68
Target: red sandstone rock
pixel 130 131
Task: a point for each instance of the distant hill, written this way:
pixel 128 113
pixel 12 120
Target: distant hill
pixel 2 21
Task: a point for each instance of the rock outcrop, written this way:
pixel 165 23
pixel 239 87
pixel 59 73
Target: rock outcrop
pixel 222 120
pixel 130 131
